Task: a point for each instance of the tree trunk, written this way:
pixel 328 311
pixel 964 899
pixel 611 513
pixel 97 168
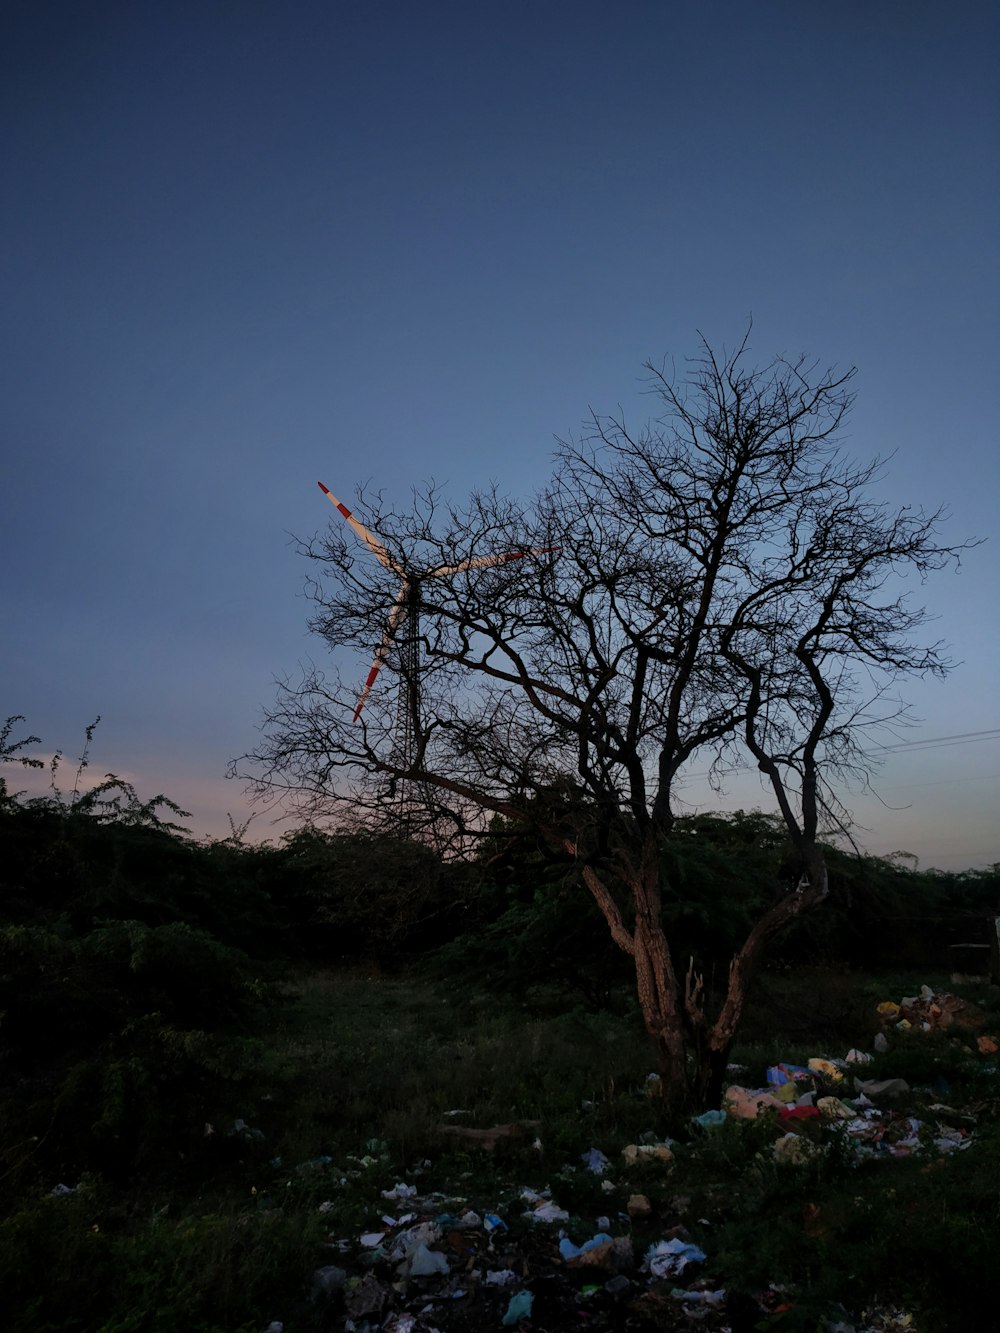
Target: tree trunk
pixel 659 1000
pixel 656 980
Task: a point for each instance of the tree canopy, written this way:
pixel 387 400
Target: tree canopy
pixel 726 589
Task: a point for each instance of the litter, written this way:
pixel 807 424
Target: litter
pixel 500 1277
pixel 699 1297
pixel 424 1233
pixel 447 1251
pixel 787 1082
pixel 518 1309
pixel 570 1251
pixel 799 1113
pixel 832 1108
pixel 366 1296
pixel 886 1087
pixel 402 1323
pixel 399 1191
pixel 668 1257
pixel 826 1069
pixel 544 1209
pixel 594 1160
pixel 709 1119
pixel 422 1262
pixel 747 1103
pixel 642 1152
pixel 604 1252
pixel 925 1012
pixel 793 1150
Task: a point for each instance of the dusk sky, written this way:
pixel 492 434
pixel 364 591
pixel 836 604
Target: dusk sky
pixel 247 247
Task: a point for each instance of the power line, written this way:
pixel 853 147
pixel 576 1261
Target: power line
pixel 939 742
pixel 927 743
pixel 947 782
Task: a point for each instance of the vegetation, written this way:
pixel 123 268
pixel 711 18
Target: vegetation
pixel 202 1044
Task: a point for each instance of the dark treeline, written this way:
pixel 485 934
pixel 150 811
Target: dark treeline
pixel 133 960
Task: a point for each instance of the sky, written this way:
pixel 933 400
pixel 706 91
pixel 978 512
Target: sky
pixel 246 247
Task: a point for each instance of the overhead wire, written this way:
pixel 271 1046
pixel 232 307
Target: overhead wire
pixel 918 744
pixel 941 742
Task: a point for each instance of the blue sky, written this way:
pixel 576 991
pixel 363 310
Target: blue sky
pixel 246 247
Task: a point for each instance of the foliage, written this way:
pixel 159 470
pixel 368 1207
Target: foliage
pixel 354 895
pixel 118 1040
pixel 127 1000
pixel 10 754
pixel 207 1272
pixel 99 860
pixel 525 920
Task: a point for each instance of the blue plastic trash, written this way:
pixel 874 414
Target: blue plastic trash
pixel 709 1119
pixel 570 1251
pixel 518 1309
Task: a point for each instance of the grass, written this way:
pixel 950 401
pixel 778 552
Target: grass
pixel 356 1076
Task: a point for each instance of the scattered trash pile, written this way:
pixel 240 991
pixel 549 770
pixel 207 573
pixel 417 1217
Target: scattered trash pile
pixel 827 1091
pixel 931 1011
pixel 833 1091
pixel 435 1263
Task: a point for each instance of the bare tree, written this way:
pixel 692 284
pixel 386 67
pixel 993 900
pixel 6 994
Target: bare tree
pixel 727 592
